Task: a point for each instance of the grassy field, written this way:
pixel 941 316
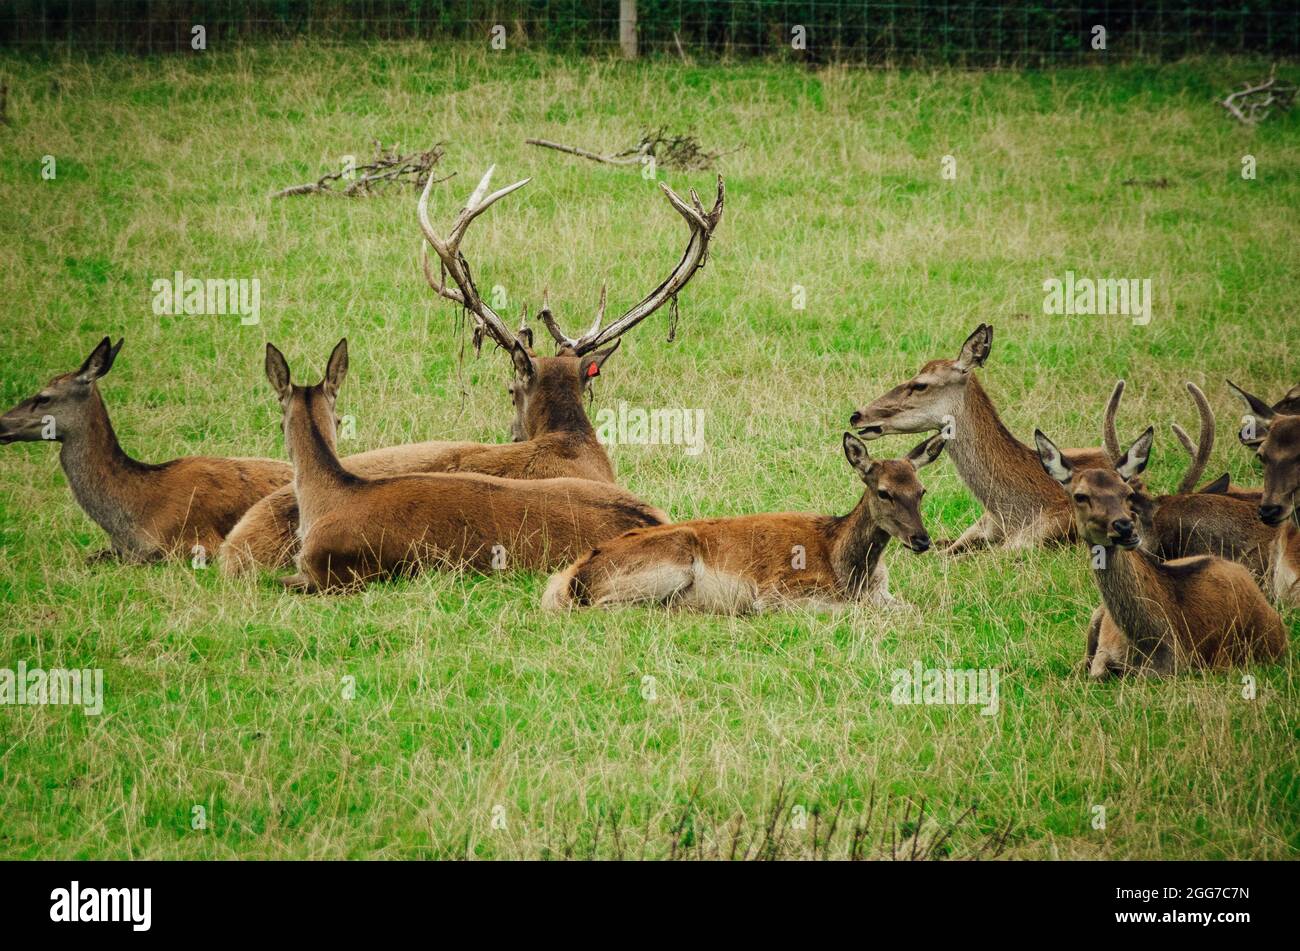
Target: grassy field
pixel 469 703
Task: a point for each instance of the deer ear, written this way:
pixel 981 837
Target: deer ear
pixel 336 370
pixel 976 349
pixel 1135 459
pixel 855 450
pixel 277 371
pixel 1256 405
pixel 1056 464
pixel 99 362
pixel 1219 486
pixel 927 452
pixel 525 369
pixel 592 362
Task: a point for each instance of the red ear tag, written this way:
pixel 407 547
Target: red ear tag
pixel 592 370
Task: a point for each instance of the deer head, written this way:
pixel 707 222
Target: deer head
pixel 65 400
pixel 923 403
pixel 1103 499
pixel 1259 415
pixel 538 380
pixel 1274 433
pixel 303 406
pixel 894 492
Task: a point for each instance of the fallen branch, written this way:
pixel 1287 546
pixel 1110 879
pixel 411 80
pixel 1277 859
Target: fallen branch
pixel 674 151
pixel 595 157
pixel 388 168
pixel 1255 102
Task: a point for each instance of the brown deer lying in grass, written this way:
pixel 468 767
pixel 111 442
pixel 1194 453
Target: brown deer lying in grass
pixel 553 436
pixel 1022 506
pixel 1159 616
pixel 355 529
pixel 1274 433
pixel 149 511
pixel 1215 520
pixel 760 562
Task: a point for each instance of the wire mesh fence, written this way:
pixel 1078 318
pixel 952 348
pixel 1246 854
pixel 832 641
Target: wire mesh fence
pixel 955 32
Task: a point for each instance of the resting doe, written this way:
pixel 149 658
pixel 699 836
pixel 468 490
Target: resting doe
pixel 149 511
pixel 355 530
pixel 759 562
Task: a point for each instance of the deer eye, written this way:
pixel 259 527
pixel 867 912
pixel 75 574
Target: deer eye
pixel 40 400
pixel 1080 498
pixel 919 387
pixel 884 496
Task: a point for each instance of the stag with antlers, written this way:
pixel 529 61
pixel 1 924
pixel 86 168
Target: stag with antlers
pixel 553 437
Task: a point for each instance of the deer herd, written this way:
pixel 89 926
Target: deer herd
pixel 1185 579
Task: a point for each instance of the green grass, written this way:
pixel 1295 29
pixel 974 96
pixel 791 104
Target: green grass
pixel 230 695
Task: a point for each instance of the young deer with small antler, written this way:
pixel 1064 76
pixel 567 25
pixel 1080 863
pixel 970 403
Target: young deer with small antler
pixel 1214 520
pixel 149 511
pixel 1274 433
pixel 1159 616
pixel 553 437
pixel 355 529
pixel 760 562
pixel 1022 506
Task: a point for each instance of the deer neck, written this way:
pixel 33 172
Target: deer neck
pixel 1002 471
pixel 319 479
pixel 562 413
pixel 1134 593
pixel 857 542
pixel 108 484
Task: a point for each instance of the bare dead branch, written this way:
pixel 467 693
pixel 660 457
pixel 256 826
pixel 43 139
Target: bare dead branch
pixel 1255 102
pixel 682 151
pixel 389 167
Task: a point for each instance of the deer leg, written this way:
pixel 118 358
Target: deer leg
pixel 1113 648
pixel 985 531
pixel 1094 633
pixel 1046 527
pixel 300 582
pixel 663 569
pixel 878 592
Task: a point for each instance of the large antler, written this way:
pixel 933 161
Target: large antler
pixel 702 223
pixel 453 262
pixel 1200 452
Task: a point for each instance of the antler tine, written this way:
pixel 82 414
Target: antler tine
pixel 1201 454
pixel 478 204
pixel 1109 437
pixel 562 340
pixel 702 225
pixel 440 285
pixel 454 263
pixel 600 313
pixel 523 319
pixel 481 188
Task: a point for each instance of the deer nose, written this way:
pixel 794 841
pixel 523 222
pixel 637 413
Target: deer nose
pixel 920 542
pixel 1270 514
pixel 857 419
pixel 1122 526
